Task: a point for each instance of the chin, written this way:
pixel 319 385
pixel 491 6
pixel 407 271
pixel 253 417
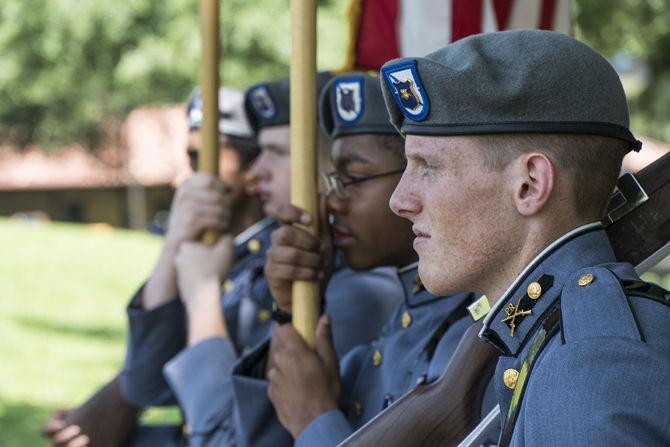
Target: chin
pixel 433 280
pixel 359 263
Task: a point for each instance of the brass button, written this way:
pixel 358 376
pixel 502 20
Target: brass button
pixel 228 286
pixel 510 377
pixel 358 408
pixel 377 358
pixel 406 319
pixel 585 280
pixel 254 246
pixel 186 430
pixel 534 290
pixel 263 315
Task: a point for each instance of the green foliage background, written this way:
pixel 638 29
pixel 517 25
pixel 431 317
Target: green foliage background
pixel 69 68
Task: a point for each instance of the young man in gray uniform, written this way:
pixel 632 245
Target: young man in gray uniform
pixel 199 375
pixel 514 144
pixel 317 403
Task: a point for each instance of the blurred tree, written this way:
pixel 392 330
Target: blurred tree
pixel 70 68
pixel 641 28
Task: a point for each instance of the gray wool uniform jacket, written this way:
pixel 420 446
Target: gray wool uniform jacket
pixel 160 369
pixel 589 364
pixel 414 348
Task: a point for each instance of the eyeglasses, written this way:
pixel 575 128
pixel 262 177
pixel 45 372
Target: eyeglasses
pixel 335 183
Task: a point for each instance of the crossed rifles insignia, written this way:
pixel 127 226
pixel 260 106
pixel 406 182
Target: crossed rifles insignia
pixel 513 312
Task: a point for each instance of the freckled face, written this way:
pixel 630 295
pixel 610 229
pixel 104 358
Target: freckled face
pixel 460 212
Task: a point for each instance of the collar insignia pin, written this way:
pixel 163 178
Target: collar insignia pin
pixel 512 313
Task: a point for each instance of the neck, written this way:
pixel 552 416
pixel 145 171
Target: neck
pixel 533 242
pixel 245 214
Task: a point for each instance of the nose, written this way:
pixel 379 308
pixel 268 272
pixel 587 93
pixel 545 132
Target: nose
pixel 334 203
pixel 404 202
pixel 258 168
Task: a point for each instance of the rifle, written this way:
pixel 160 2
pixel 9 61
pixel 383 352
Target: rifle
pixel 446 411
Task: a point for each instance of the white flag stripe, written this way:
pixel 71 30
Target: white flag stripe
pixel 562 17
pixel 424 26
pixel 489 20
pixel 525 14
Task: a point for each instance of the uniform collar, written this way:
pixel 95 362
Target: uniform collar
pixel 414 291
pixel 584 246
pixel 255 239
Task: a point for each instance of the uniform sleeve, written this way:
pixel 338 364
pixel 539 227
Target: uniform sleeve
pixel 329 429
pixel 200 378
pixel 598 391
pixel 255 417
pixel 360 304
pixel 155 337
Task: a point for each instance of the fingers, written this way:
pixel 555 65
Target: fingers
pixel 79 441
pixel 324 343
pixel 69 433
pixel 290 214
pixel 203 181
pixel 296 238
pixel 284 272
pixel 55 423
pixel 291 256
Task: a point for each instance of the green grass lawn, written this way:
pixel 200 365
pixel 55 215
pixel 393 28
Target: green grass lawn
pixel 63 291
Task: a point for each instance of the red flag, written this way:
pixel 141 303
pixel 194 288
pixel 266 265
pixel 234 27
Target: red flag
pixel 387 29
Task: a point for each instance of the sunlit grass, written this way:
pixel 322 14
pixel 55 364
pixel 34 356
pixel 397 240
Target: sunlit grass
pixel 63 291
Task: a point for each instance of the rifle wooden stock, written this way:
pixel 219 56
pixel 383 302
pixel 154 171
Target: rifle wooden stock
pixel 441 413
pixel 444 413
pixel 639 228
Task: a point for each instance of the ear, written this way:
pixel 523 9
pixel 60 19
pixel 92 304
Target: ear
pixel 535 183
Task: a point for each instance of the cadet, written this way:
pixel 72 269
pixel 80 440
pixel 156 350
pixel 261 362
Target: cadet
pixel 514 144
pixel 156 317
pixel 317 403
pixel 199 375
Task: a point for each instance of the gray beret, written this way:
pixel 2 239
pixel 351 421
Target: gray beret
pixel 268 104
pixel 521 81
pixel 353 104
pixel 232 117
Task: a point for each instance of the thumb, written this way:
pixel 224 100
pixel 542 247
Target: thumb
pixel 324 344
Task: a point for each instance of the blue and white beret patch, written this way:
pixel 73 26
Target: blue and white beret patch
pixel 404 82
pixel 262 102
pixel 349 101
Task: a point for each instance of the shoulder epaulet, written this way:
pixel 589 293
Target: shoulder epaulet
pixel 594 303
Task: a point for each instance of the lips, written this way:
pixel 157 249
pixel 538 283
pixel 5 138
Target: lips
pixel 342 236
pixel 421 236
pixel 263 194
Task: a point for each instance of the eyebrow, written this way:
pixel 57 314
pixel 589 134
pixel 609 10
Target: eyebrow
pixel 274 147
pixel 352 158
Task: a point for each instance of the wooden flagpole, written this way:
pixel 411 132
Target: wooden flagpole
pixel 303 150
pixel 209 87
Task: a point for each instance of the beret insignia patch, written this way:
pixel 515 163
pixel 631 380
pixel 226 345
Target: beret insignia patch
pixel 195 112
pixel 262 102
pixel 349 99
pixel 403 81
